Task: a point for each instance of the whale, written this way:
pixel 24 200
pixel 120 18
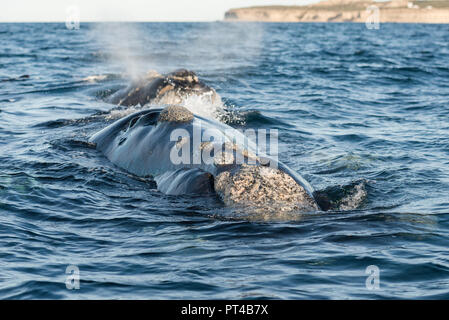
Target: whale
pixel 186 154
pixel 155 88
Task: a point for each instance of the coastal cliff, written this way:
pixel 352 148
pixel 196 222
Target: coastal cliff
pixel 404 11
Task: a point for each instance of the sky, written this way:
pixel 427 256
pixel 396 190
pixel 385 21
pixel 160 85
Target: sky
pixel 126 10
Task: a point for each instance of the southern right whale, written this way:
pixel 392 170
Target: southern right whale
pixel 158 143
pixel 172 88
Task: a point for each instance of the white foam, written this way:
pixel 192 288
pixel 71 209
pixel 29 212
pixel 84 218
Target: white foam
pixel 208 105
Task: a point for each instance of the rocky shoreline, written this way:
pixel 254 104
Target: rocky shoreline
pixel 400 11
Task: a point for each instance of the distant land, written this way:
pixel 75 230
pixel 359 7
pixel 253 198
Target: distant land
pixel 405 11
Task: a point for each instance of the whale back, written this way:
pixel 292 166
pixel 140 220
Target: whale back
pixel 143 144
pixel 133 144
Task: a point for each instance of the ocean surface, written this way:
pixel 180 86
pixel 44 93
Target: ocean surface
pixel 362 114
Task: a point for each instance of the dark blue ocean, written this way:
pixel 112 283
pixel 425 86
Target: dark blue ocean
pixel 361 113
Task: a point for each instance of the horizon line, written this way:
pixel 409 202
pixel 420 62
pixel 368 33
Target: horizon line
pixel 102 21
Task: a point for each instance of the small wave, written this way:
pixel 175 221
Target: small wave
pixel 255 117
pixel 256 214
pixel 18 55
pixel 252 118
pixel 63 88
pixel 20 78
pixel 102 77
pixel 261 216
pixel 53 124
pixel 74 144
pixel 33 289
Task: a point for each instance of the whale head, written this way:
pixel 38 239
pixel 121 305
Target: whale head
pixel 181 84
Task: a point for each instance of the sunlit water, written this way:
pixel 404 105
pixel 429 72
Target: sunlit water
pixel 361 114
